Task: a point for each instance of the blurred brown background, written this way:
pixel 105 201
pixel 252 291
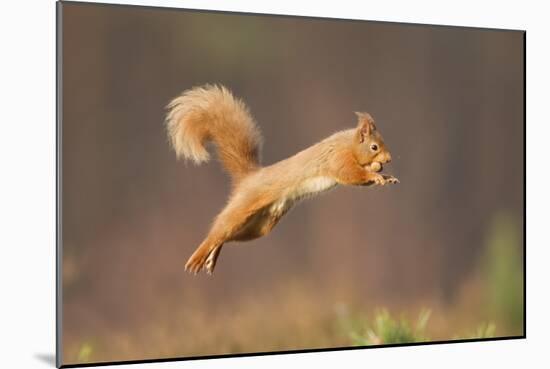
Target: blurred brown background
pixel 448 101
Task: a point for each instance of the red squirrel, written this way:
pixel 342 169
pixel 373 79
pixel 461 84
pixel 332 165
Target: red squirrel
pixel 261 195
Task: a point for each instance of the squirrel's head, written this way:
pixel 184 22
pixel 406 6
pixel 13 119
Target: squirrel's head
pixel 370 150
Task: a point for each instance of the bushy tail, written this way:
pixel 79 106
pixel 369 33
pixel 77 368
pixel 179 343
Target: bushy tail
pixel 212 113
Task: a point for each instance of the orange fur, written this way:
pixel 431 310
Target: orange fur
pixel 262 195
pixel 212 113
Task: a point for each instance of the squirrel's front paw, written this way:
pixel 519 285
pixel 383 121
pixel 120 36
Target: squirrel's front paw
pixel 378 179
pixel 390 179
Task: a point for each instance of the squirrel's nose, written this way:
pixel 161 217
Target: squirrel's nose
pixel 388 158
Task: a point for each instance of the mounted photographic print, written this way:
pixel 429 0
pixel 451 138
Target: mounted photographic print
pixel 240 184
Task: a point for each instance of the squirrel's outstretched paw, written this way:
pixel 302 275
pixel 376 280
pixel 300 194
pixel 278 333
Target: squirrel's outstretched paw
pixel 390 179
pixel 378 179
pixel 384 179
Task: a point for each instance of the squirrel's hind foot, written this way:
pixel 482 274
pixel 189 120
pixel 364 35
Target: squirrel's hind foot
pixel 203 258
pixel 211 260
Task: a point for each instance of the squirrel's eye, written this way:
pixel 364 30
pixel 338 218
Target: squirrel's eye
pixel 374 147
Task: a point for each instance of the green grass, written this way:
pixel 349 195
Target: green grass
pixel 503 266
pixel 385 329
pixel 485 330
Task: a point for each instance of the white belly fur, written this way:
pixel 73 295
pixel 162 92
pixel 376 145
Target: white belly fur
pixel 307 188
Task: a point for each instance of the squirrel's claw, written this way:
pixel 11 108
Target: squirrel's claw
pixel 390 179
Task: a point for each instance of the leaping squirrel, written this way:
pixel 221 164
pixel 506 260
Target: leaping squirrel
pixel 260 196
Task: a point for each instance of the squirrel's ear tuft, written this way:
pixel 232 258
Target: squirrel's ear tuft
pixel 365 125
pixel 362 115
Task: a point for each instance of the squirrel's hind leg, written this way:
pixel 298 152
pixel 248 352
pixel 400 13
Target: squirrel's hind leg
pixel 211 259
pixel 205 256
pixel 238 221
